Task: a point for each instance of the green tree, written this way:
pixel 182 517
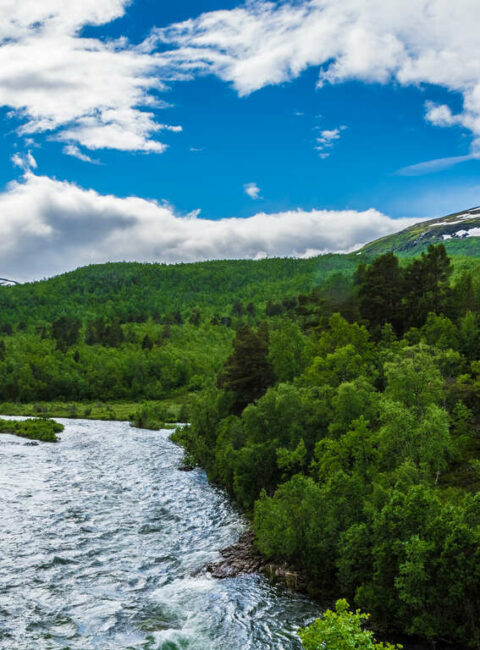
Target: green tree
pixel 341 629
pixel 380 292
pixel 247 371
pixel 289 351
pixel 427 286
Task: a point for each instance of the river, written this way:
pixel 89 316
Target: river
pixel 101 542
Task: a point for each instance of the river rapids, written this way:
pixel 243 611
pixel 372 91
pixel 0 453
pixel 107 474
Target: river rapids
pixel 102 545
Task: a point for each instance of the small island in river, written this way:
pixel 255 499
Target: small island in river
pixel 35 429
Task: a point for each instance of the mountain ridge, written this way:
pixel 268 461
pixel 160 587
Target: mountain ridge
pixel 459 232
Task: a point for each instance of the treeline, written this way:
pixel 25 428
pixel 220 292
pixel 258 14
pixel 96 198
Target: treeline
pixel 353 441
pixel 134 292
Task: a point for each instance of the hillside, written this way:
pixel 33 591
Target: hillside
pixel 132 291
pixel 459 232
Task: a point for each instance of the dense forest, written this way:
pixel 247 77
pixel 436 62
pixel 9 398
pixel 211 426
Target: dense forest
pixel 144 331
pixel 149 331
pixel 353 440
pixel 337 401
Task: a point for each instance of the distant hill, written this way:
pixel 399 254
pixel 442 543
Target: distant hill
pixel 130 290
pixel 135 291
pixel 459 232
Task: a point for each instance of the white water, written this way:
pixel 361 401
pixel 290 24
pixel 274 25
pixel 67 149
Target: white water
pixel 101 540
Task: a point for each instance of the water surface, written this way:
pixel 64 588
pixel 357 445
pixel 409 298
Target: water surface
pixel 101 542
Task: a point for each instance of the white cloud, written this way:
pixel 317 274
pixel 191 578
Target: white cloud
pixel 48 226
pixel 252 190
pixel 84 91
pixel 100 93
pixel 436 165
pixel 325 141
pixel 409 42
pixel 25 161
pixel 73 150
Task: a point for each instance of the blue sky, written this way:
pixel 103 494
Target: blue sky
pixel 248 113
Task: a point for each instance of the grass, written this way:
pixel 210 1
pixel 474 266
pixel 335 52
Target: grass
pixel 172 409
pixel 36 429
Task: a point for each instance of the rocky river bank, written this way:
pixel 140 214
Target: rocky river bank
pixel 243 558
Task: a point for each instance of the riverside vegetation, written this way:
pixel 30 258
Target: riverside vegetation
pixel 36 429
pixel 353 441
pixel 345 422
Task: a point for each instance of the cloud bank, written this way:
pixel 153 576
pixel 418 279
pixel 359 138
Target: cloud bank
pixel 48 226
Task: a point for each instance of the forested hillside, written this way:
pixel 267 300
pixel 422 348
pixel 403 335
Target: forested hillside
pixel 353 440
pixel 145 331
pixel 134 292
pixel 132 331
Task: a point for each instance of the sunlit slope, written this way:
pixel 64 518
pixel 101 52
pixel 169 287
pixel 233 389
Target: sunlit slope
pixel 120 290
pixel 459 232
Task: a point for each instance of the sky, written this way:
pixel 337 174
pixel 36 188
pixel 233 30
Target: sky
pixel 206 129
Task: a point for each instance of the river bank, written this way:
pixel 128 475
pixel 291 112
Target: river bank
pixel 242 558
pixel 120 411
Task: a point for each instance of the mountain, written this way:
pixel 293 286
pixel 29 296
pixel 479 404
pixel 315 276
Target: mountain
pixel 459 232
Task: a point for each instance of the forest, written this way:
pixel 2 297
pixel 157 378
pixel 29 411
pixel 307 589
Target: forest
pixel 133 331
pixel 338 405
pixel 352 439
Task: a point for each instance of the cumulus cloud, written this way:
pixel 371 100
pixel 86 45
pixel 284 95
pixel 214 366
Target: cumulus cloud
pixel 48 226
pixel 98 93
pixel 252 190
pixel 84 91
pixel 409 42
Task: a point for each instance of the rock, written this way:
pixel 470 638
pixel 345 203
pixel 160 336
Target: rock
pixel 241 557
pixel 185 468
pixel 32 443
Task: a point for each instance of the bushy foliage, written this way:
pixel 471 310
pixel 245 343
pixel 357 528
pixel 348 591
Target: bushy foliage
pixel 359 465
pixel 34 429
pixel 341 629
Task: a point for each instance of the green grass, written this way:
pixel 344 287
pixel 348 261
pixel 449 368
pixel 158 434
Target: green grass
pixel 37 429
pixel 121 411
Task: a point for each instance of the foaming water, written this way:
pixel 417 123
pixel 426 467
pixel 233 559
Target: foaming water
pixel 101 542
